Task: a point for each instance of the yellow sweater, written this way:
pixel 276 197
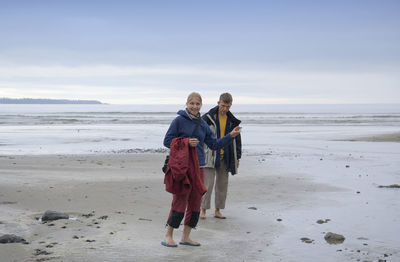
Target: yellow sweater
pixel 222 126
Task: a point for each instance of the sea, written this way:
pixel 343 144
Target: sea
pixel 31 129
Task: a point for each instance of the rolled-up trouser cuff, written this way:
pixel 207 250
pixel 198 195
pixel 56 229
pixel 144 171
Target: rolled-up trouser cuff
pixel 175 219
pixel 194 218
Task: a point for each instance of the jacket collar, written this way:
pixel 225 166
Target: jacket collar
pixel 214 112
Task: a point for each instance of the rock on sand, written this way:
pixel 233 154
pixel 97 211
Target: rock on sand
pixel 333 238
pixel 54 215
pixel 4 239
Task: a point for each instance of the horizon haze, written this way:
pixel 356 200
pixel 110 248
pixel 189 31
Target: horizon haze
pixel 157 52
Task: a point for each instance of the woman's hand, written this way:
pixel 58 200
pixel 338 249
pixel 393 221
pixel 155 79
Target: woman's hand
pixel 236 131
pixel 193 142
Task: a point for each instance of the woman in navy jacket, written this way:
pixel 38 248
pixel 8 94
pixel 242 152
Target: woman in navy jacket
pixel 183 126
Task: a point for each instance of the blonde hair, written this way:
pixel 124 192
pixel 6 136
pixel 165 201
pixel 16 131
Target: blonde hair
pixel 194 95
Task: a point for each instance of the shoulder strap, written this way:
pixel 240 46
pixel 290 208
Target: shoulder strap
pixel 211 120
pixel 195 128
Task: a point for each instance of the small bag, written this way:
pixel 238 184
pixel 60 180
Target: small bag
pixel 164 168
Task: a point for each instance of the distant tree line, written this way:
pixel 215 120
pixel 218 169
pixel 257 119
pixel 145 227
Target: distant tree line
pixel 45 101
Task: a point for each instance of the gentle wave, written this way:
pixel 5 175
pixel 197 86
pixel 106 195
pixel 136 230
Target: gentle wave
pixel 128 118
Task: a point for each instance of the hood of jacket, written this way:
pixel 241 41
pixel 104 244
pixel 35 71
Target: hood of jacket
pixel 185 114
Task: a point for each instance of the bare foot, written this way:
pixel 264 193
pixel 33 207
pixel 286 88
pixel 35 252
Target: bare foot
pixel 169 241
pixel 218 214
pixel 189 242
pixel 203 213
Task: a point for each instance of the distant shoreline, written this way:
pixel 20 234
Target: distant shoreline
pixel 45 101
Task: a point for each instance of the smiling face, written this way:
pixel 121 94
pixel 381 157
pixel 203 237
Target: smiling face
pixel 193 105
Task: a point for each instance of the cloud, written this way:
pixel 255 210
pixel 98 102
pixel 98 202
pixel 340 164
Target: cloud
pixel 171 84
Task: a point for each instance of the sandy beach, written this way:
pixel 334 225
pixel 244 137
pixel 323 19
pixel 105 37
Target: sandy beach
pixel 280 206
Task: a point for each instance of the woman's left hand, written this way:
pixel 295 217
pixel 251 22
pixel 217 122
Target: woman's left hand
pixel 193 142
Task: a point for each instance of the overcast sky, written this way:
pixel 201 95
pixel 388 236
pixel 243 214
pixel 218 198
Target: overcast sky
pixel 141 52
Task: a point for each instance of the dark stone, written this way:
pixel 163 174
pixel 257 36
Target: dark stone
pixel 5 239
pixel 333 238
pixel 88 215
pixel 145 219
pixel 50 215
pixel 321 221
pixel 39 252
pixel 362 238
pixel 253 208
pixel 306 240
pixel 103 217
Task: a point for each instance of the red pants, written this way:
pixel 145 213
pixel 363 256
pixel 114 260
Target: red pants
pixel 190 203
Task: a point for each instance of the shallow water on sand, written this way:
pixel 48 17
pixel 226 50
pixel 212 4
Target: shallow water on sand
pixel 93 129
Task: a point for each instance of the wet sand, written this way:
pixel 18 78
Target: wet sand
pixel 120 206
pixel 391 137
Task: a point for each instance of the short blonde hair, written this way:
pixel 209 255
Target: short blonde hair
pixel 194 95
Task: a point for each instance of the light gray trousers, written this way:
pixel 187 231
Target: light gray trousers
pixel 220 176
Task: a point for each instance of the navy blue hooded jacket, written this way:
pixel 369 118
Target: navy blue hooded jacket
pixel 183 126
